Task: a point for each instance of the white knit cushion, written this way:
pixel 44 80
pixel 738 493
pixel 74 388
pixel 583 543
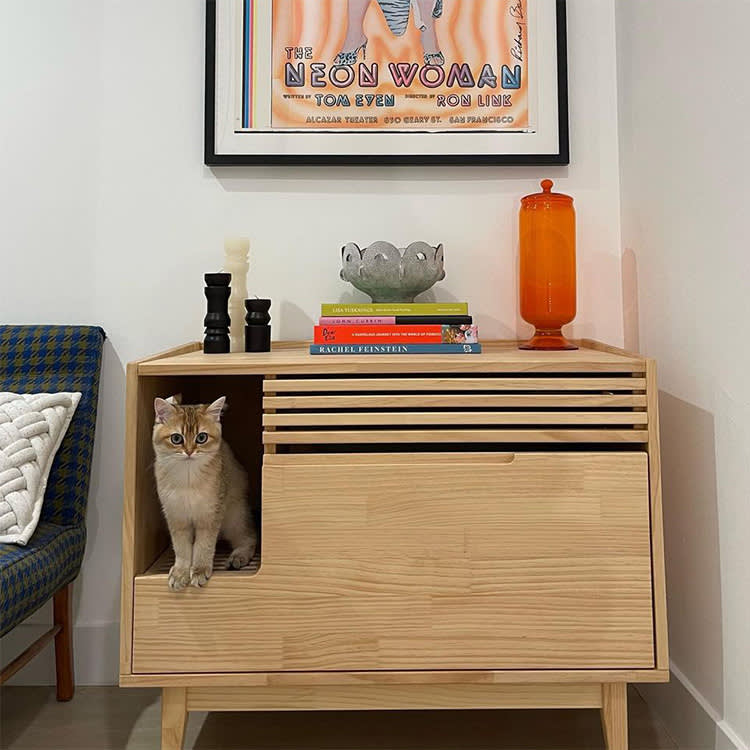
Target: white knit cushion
pixel 32 427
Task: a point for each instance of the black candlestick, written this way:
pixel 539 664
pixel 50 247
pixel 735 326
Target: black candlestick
pixel 257 328
pixel 217 318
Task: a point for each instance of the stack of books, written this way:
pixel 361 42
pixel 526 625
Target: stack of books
pixel 418 328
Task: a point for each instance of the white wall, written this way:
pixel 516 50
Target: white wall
pixel 684 106
pixel 142 219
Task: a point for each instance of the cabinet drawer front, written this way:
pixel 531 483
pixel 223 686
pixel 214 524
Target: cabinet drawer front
pixel 532 561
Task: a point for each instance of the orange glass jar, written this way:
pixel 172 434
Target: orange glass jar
pixel 548 266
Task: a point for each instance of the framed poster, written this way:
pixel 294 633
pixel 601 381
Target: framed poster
pixel 386 82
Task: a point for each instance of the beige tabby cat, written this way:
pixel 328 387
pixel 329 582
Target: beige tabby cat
pixel 202 488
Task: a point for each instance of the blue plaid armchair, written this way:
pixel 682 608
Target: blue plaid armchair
pixel 41 359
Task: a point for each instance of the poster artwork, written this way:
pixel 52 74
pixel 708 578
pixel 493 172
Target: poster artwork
pixel 400 65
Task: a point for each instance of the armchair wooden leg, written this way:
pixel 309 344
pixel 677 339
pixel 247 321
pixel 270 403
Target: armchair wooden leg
pixel 615 715
pixel 64 643
pixel 173 717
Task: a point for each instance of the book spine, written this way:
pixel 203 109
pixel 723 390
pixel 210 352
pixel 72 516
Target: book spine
pixel 401 320
pixel 426 320
pixel 359 321
pixel 396 334
pixel 328 349
pixel 388 309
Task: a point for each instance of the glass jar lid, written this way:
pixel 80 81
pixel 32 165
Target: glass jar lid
pixel 547 196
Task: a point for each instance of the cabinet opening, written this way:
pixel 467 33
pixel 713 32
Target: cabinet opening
pixel 241 429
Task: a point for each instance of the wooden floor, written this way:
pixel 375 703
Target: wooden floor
pixel 101 718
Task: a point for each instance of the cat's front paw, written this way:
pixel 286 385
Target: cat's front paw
pixel 239 559
pixel 199 575
pixel 179 578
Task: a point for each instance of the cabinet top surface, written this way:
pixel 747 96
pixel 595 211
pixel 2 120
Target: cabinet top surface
pixel 293 358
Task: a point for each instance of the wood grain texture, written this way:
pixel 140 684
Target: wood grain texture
pixel 294 358
pixel 353 577
pixel 423 677
pixel 544 561
pixel 615 716
pixel 451 419
pixel 144 529
pixel 368 385
pixel 128 518
pixel 174 712
pixel 138 511
pixel 389 437
pixel 384 697
pixel 600 346
pixel 657 522
pixel 455 401
pixel 396 459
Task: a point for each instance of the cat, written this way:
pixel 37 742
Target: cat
pixel 202 488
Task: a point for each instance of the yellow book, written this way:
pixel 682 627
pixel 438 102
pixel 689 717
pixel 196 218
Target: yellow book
pixel 396 308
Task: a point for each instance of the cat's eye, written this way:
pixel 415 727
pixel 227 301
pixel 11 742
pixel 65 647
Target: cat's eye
pixel 201 438
pixel 176 438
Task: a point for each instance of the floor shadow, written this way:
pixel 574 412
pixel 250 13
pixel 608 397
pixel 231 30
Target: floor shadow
pixel 97 718
pixel 691 537
pixel 19 707
pixel 422 730
pixel 130 717
pixel 393 730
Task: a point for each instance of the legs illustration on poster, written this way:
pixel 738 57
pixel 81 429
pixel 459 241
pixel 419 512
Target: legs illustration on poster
pixel 397 13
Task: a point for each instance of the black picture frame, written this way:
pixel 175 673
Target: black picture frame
pixel 561 158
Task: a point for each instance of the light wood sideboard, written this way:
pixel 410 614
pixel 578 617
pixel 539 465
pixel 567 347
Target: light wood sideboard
pixel 437 532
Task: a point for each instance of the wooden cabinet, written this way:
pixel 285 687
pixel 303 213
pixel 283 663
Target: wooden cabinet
pixel 437 532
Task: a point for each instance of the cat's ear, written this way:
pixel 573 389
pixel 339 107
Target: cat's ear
pixel 163 409
pixel 214 410
pixel 176 399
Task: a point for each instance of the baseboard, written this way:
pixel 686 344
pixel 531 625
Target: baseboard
pixel 691 720
pixel 95 649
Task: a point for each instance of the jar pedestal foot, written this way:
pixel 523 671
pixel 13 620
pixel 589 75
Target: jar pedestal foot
pixel 550 341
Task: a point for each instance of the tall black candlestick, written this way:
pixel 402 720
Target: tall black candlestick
pixel 217 318
pixel 257 328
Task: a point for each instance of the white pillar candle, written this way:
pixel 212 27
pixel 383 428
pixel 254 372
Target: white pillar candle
pixel 236 251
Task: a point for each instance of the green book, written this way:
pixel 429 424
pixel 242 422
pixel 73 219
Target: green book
pixel 396 308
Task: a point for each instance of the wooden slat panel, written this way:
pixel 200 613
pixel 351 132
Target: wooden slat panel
pixel 394 697
pixel 452 401
pixel 454 436
pixel 336 385
pixel 540 563
pixel 392 459
pixel 345 419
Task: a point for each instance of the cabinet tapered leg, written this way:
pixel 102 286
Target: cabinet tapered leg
pixel 173 717
pixel 615 715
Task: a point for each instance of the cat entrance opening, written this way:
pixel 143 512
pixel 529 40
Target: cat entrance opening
pixel 207 454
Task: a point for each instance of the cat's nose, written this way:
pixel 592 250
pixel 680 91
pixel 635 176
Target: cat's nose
pixel 189 452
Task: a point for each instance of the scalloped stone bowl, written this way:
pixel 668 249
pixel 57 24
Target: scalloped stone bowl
pixel 390 274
